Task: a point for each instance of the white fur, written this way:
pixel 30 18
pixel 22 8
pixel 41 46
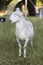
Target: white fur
pixel 24 30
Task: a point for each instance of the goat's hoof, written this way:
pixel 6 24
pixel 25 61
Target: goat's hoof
pixel 31 46
pixel 19 55
pixel 24 56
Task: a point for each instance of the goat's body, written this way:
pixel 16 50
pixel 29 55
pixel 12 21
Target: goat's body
pixel 24 30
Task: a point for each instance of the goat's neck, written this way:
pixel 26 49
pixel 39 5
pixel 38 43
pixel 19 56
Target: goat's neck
pixel 22 19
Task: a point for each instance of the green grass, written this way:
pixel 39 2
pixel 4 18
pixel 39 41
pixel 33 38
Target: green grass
pixel 9 47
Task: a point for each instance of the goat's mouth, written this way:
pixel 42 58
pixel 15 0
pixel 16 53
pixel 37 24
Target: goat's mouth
pixel 10 21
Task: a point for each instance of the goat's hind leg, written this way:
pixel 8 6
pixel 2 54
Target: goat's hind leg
pixel 31 42
pixel 19 46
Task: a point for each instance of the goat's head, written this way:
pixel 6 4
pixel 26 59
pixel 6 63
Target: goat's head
pixel 16 16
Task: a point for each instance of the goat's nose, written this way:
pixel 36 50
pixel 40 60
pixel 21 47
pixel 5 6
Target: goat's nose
pixel 10 20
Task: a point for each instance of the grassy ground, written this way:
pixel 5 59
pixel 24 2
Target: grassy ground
pixel 9 47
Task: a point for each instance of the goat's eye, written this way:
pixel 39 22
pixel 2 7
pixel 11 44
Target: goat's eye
pixel 17 14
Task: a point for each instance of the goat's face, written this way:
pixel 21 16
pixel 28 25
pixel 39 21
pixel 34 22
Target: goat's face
pixel 15 16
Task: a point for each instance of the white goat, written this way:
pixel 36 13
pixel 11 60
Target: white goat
pixel 24 30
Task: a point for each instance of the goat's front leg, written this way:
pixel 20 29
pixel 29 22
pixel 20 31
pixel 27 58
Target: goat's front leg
pixel 19 46
pixel 26 41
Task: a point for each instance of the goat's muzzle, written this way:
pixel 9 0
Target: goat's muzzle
pixel 10 21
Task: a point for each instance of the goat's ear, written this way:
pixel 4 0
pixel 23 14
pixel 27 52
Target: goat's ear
pixel 17 9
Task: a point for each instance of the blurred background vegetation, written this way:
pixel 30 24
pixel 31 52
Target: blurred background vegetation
pixel 8 43
pixel 5 3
